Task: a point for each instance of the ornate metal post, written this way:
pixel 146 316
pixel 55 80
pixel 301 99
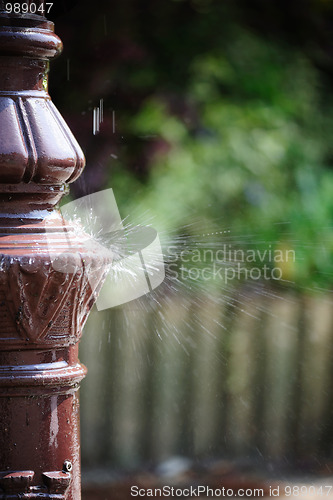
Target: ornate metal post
pixel 42 305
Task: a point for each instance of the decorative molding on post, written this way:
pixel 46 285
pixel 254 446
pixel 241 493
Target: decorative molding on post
pixel 42 310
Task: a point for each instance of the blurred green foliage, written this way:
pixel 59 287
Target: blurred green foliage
pixel 257 161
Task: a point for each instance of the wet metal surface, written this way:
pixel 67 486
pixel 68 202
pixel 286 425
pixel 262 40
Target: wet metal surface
pixel 42 309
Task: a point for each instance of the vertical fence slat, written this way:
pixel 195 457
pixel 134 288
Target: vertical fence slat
pixel 316 376
pixel 241 409
pixel 171 362
pixel 281 338
pixel 209 358
pixel 133 340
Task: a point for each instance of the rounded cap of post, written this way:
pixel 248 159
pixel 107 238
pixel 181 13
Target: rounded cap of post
pixel 28 34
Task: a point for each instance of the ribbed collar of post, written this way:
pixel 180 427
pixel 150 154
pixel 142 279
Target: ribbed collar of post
pixel 26 34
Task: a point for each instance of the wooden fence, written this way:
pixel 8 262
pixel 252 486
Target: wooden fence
pixel 206 377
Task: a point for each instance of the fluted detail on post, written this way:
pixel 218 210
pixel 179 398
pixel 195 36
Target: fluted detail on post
pixel 42 149
pixel 36 145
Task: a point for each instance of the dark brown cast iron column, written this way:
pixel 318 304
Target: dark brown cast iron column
pixel 42 304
